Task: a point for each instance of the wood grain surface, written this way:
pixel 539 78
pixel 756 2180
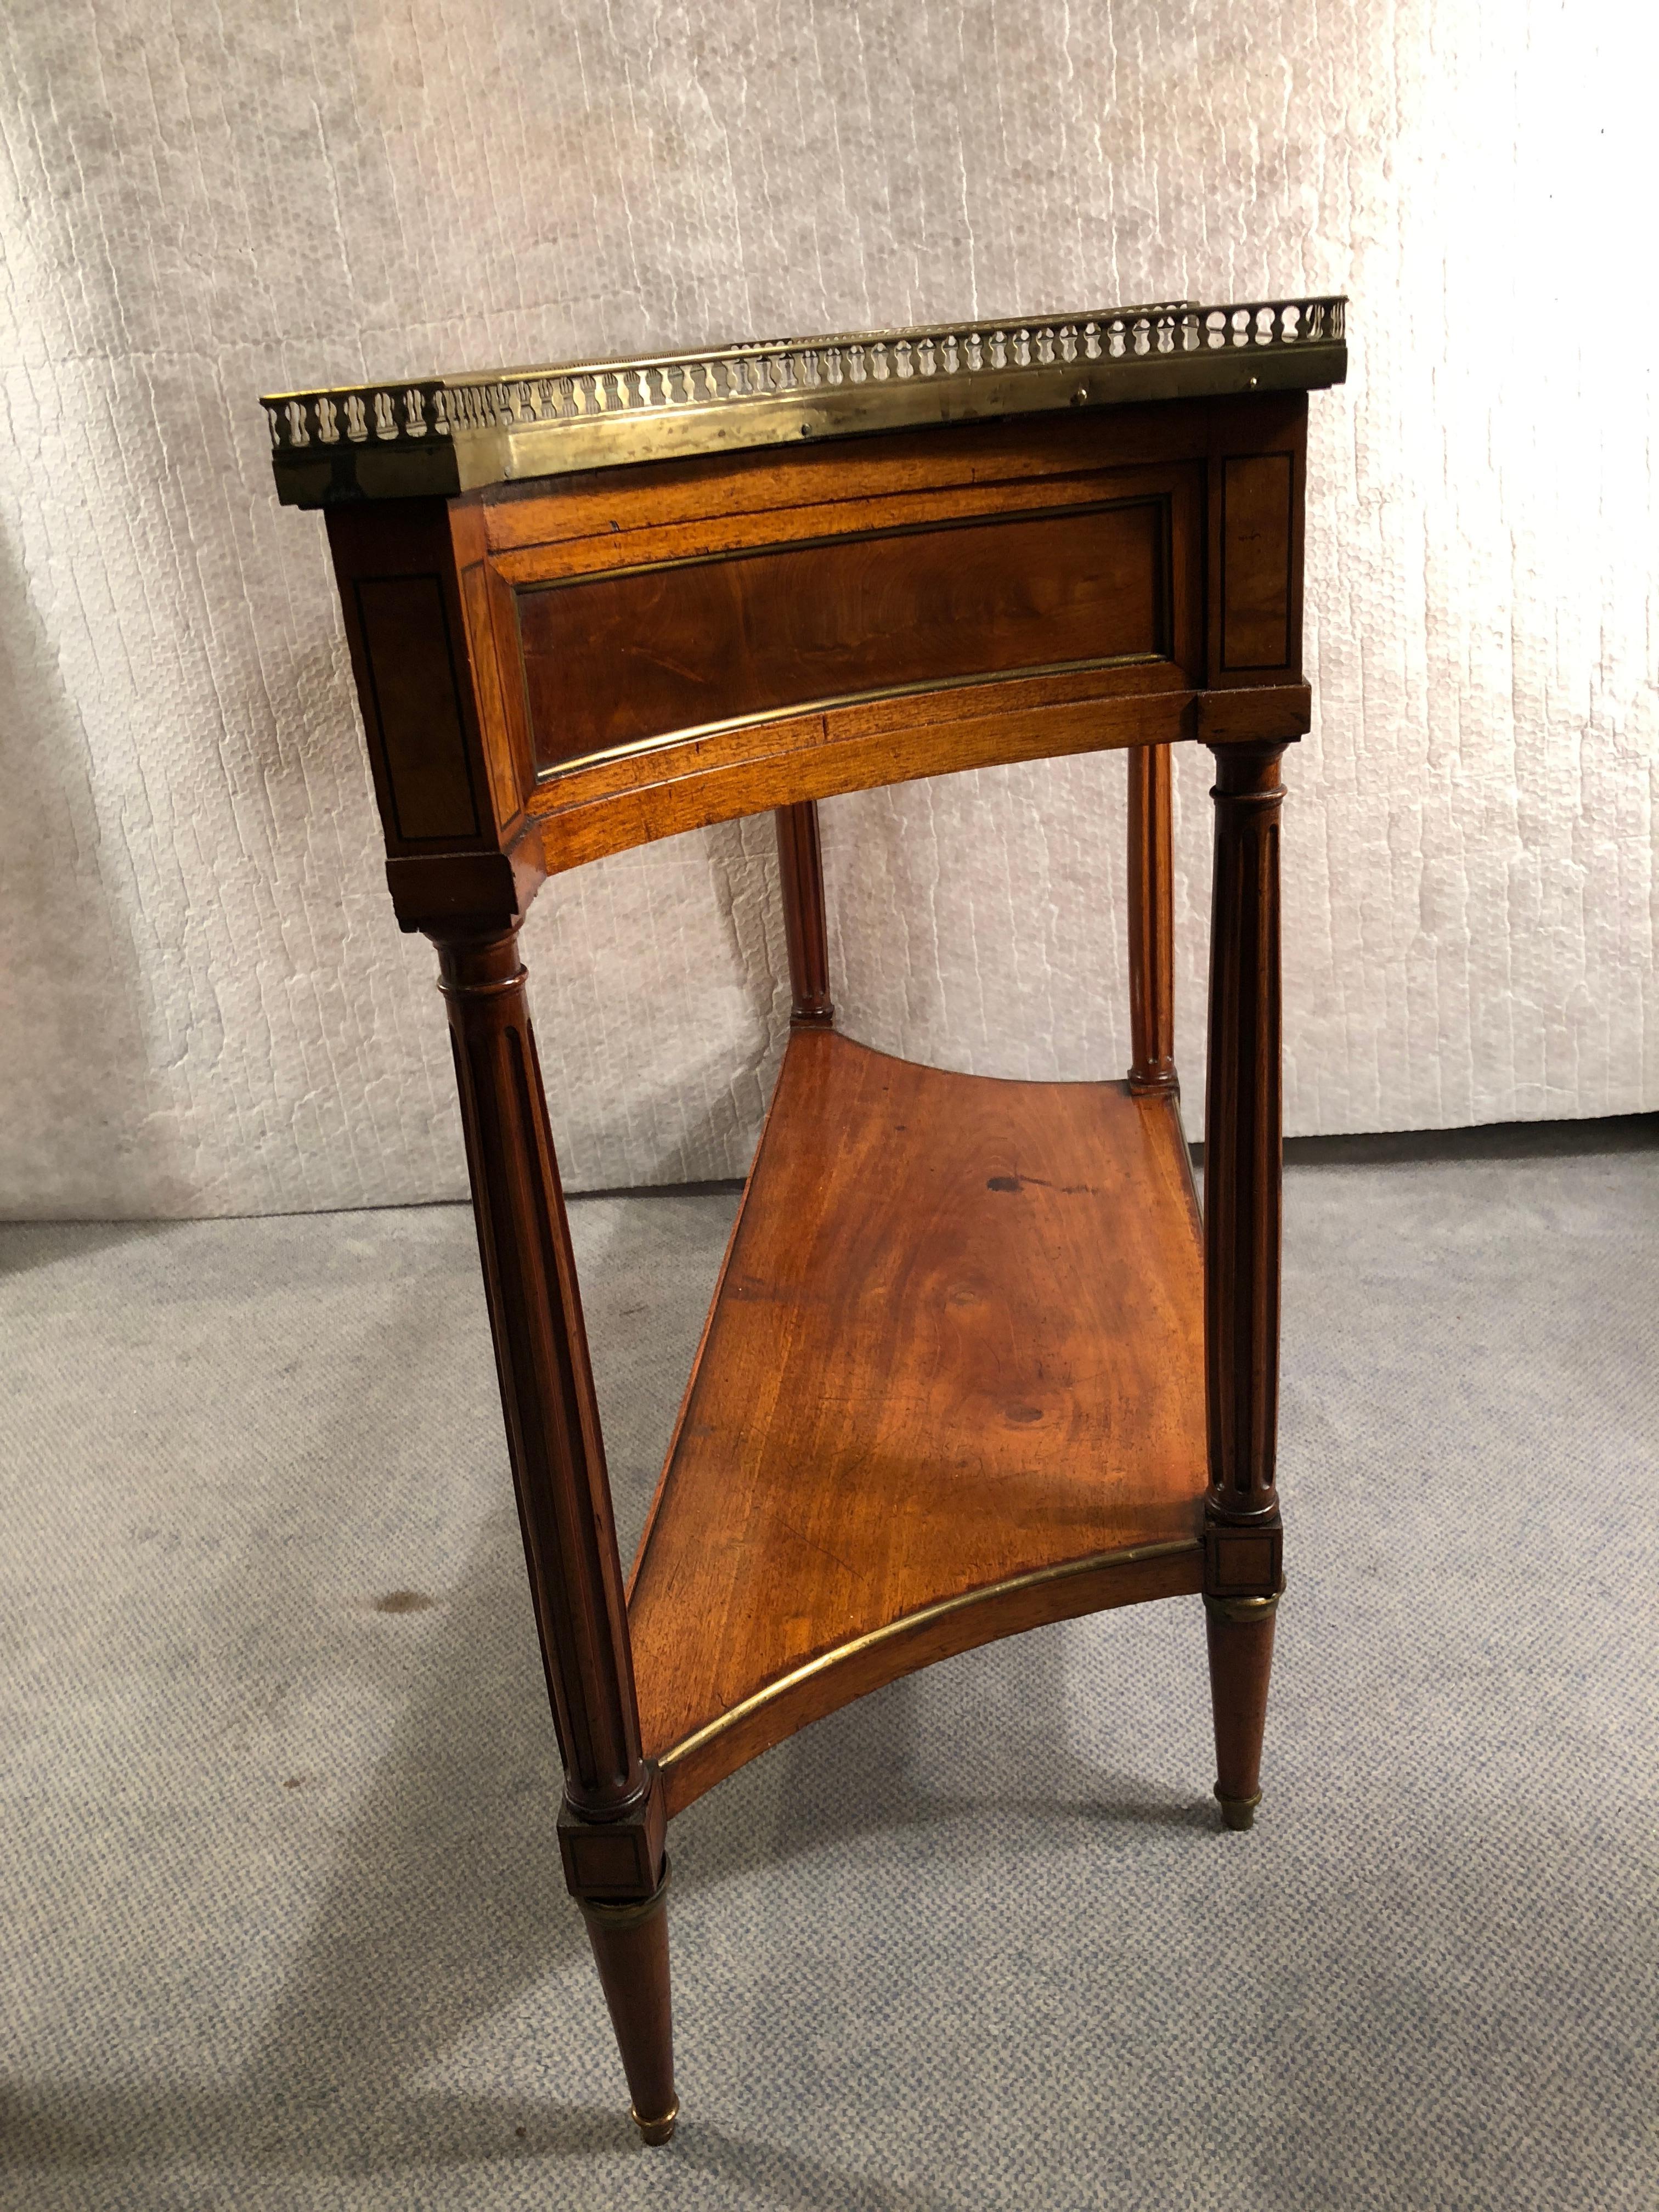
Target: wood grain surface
pixel 611 659
pixel 1258 517
pixel 958 1344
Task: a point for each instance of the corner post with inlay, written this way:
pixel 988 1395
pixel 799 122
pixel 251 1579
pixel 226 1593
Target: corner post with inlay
pixel 1242 1178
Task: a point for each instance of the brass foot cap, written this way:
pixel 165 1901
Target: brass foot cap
pixel 657 2131
pixel 1237 1812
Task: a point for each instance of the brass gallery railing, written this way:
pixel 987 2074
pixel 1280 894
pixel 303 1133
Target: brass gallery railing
pixel 448 434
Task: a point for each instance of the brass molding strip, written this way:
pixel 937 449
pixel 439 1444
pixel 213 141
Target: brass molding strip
pixel 440 435
pixel 908 1625
pixel 835 702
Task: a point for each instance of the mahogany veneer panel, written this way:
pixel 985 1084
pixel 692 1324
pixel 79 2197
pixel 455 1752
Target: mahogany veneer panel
pixel 611 659
pixel 958 1344
pixel 409 660
pixel 1258 518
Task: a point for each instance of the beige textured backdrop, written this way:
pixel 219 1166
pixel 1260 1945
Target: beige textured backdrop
pixel 208 1008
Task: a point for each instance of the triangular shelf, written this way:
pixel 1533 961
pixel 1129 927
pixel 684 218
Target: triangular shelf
pixel 951 1386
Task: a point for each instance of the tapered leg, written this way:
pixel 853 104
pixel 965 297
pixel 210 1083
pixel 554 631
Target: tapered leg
pixel 1240 1632
pixel 611 1824
pixel 1242 1164
pixel 630 1948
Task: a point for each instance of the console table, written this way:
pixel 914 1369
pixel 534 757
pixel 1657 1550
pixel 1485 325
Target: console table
pixel 973 1363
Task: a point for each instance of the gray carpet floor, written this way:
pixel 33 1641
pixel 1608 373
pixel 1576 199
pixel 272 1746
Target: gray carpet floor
pixel 280 1906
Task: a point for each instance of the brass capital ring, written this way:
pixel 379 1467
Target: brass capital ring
pixel 627 1912
pixel 492 989
pixel 1241 1609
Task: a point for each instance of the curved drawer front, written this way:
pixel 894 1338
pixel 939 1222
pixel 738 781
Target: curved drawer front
pixel 655 652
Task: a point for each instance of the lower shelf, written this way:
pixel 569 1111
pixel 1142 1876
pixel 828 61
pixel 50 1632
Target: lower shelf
pixel 951 1386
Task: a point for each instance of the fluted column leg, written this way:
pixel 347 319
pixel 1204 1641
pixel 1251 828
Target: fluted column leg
pixel 1242 1164
pixel 800 870
pixel 611 1824
pixel 1152 921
